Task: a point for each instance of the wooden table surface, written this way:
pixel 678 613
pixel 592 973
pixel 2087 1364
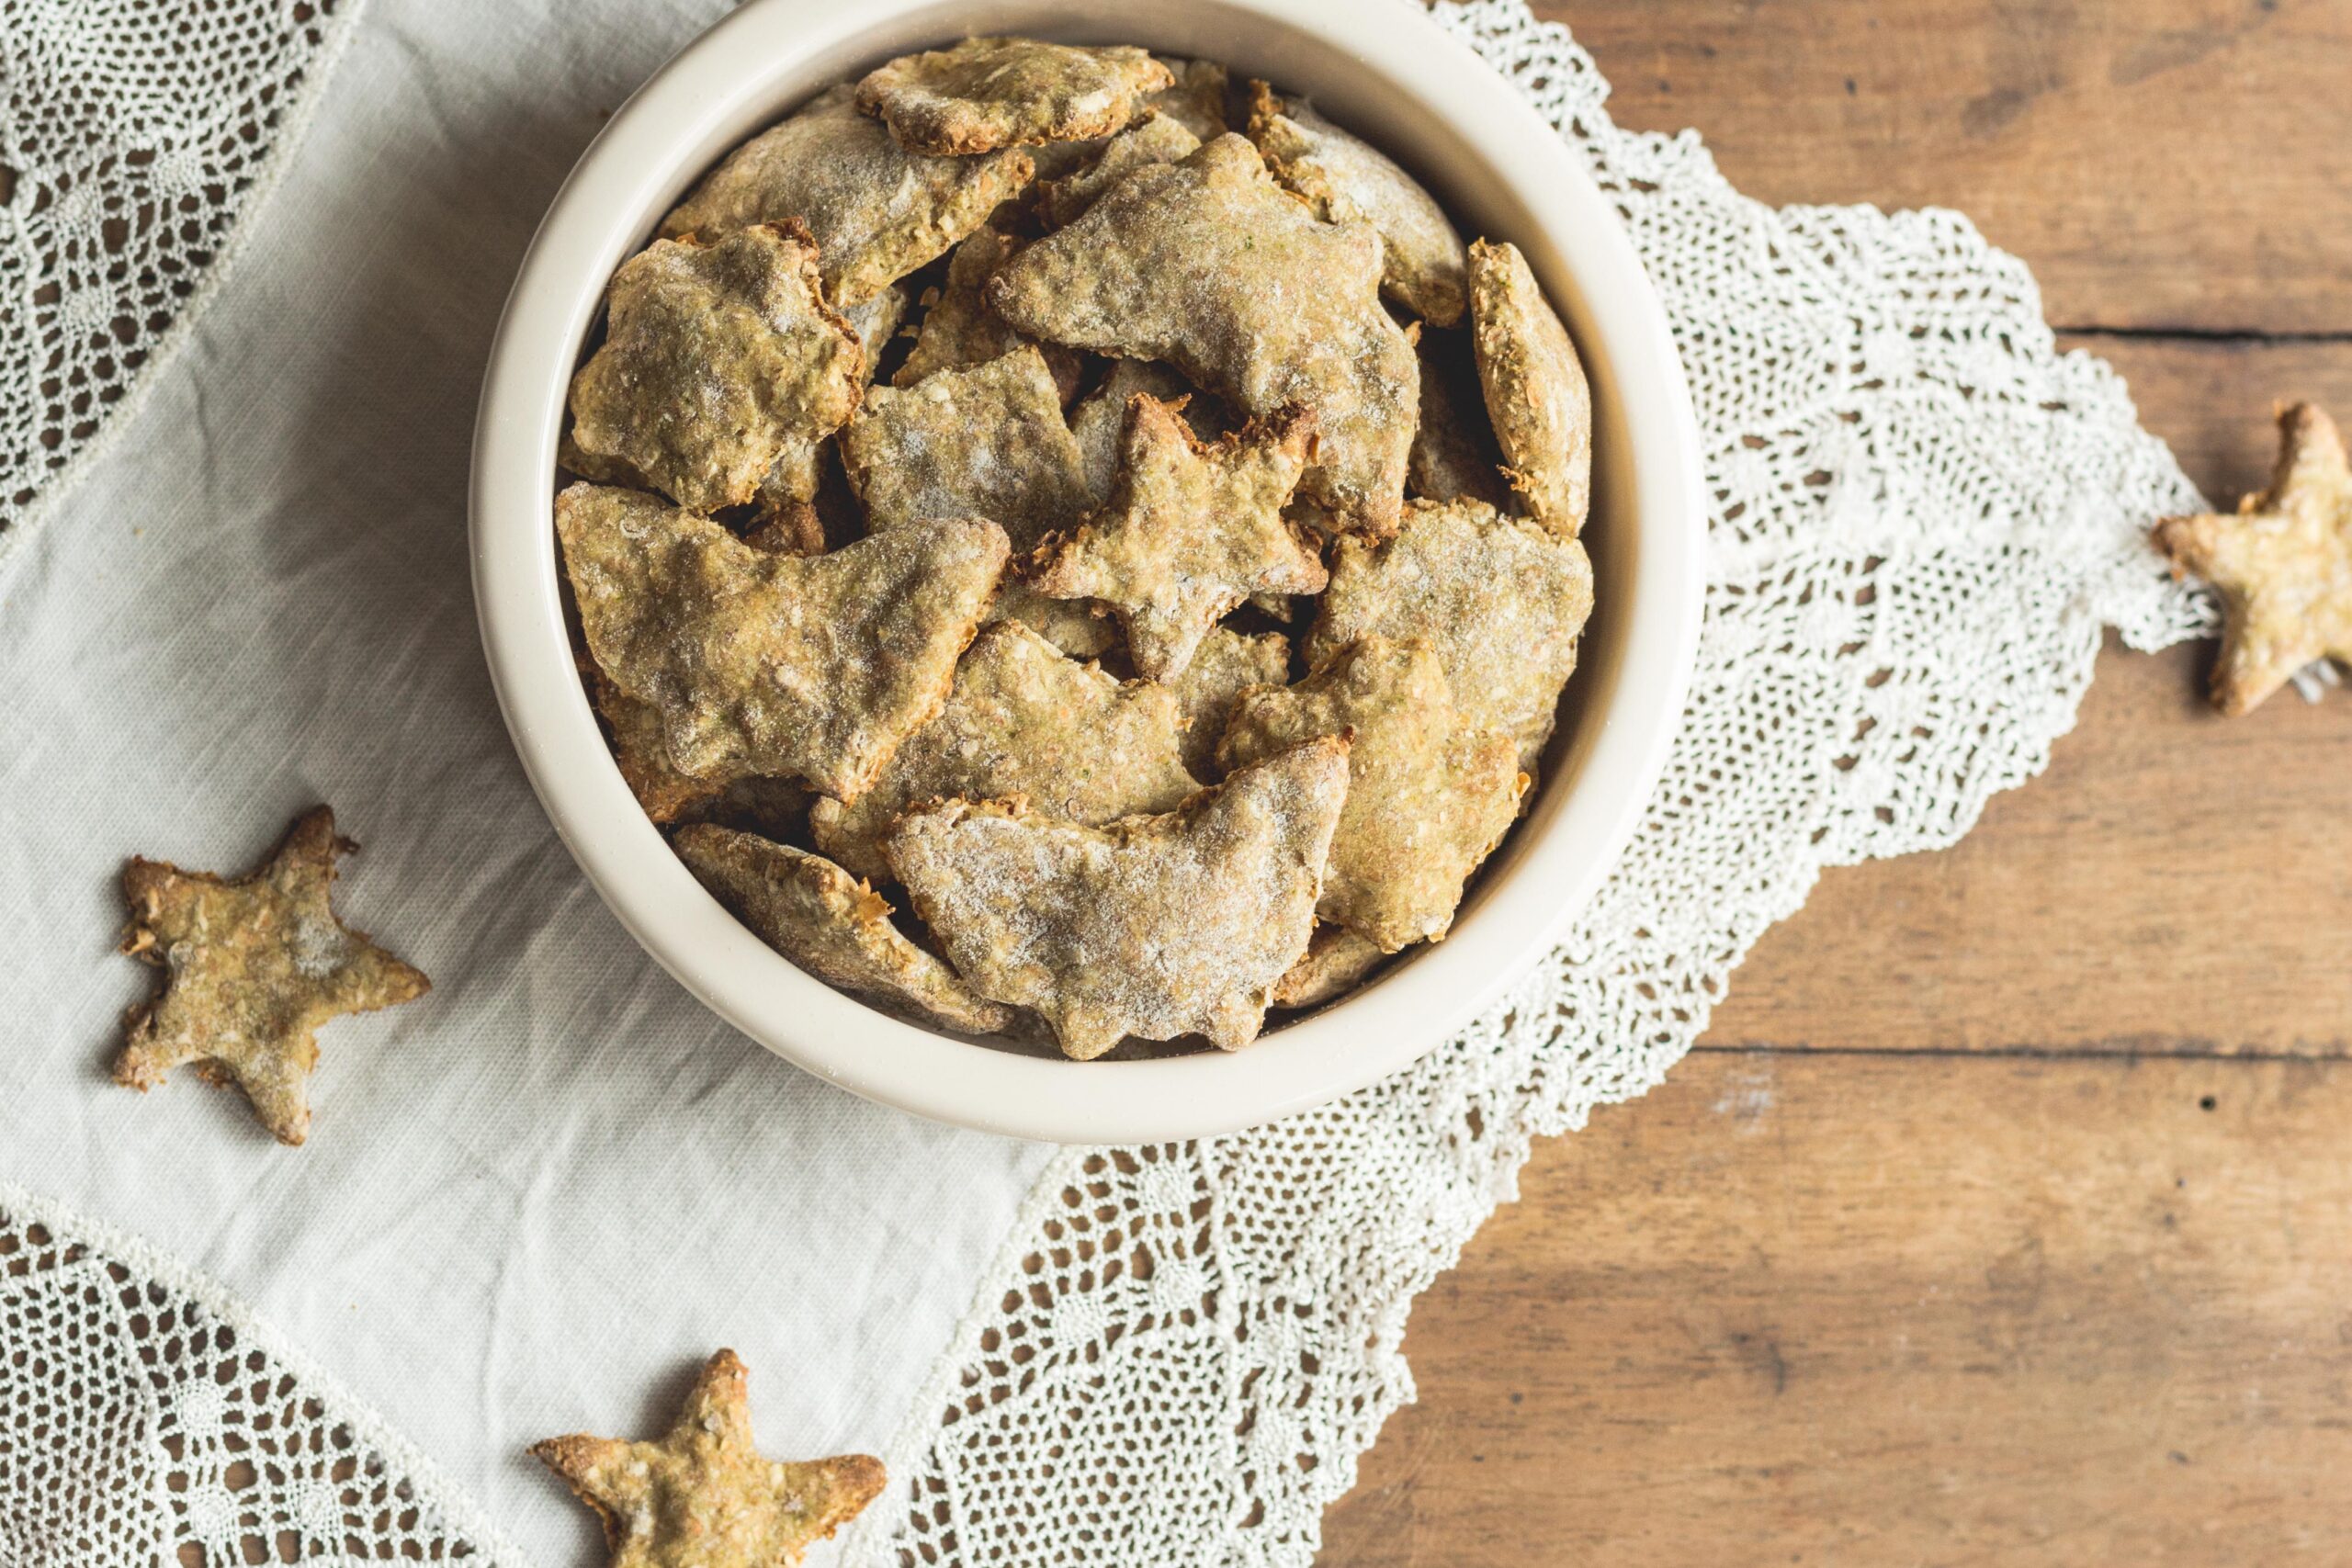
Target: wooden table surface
pixel 2004 1214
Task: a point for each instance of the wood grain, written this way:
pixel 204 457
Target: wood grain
pixel 2164 163
pixel 1842 1310
pixel 2176 881
pixel 2002 1217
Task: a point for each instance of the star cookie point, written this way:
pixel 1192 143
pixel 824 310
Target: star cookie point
pixel 1190 531
pixel 256 964
pixel 703 1496
pixel 2282 564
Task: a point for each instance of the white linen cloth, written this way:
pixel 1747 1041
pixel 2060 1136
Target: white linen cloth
pixel 532 1200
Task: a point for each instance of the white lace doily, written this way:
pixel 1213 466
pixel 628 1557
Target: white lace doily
pixel 134 140
pixel 142 1412
pixel 1923 518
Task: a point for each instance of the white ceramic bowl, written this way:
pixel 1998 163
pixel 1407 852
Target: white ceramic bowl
pixel 1377 66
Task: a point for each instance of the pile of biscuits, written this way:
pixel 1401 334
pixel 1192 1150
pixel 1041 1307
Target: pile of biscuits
pixel 1104 501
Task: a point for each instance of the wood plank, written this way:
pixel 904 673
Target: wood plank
pixel 2212 400
pixel 2162 163
pixel 2175 882
pixel 1885 1310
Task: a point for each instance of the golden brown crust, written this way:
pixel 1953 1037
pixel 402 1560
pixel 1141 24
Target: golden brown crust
pixel 814 668
pixel 1022 720
pixel 1211 266
pixel 989 92
pixel 1157 926
pixel 2282 564
pixel 254 966
pixel 1345 179
pixel 1429 796
pixel 703 1496
pixel 1190 531
pixel 831 924
pixel 1337 961
pixel 876 211
pixel 794 529
pixel 1501 601
pixel 718 362
pixel 1535 387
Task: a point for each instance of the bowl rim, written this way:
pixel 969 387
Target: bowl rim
pixel 731 80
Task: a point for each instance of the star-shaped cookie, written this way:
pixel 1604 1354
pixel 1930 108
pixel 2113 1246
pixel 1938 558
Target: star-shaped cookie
pixel 703 1496
pixel 1344 178
pixel 980 441
pixel 1157 926
pixel 1190 531
pixel 877 211
pixel 1209 265
pixel 812 667
pixel 988 93
pixel 1428 795
pixel 721 363
pixel 256 964
pixel 2283 564
pixel 1501 601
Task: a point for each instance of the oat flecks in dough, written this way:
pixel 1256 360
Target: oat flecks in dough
pixel 2283 564
pixel 254 966
pixel 1454 456
pixel 1226 664
pixel 1210 266
pixel 1501 599
pixel 1157 926
pixel 1535 387
pixel 703 1496
pixel 816 668
pixel 831 924
pixel 1190 531
pixel 988 93
pixel 1429 796
pixel 959 329
pixel 1023 720
pixel 1159 140
pixel 877 211
pixel 718 360
pixel 1335 963
pixel 1345 179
